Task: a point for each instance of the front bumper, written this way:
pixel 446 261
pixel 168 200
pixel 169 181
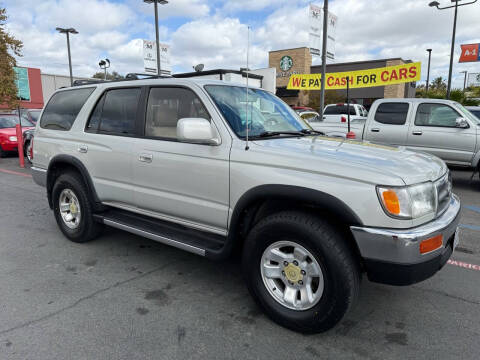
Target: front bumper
pixel 10 146
pixel 392 256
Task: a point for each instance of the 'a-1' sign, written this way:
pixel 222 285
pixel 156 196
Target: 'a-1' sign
pixel 470 53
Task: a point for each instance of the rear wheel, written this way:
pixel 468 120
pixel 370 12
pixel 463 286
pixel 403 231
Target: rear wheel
pixel 73 209
pixel 300 271
pixel 27 150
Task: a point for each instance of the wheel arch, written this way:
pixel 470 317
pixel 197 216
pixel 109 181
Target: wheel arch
pixel 265 200
pixel 62 163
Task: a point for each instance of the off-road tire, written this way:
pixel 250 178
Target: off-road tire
pixel 341 270
pixel 88 228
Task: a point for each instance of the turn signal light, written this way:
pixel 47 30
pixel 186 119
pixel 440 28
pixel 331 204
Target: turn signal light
pixel 390 199
pixel 431 244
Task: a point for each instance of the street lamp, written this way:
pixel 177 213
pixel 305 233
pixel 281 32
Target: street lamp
pixel 464 79
pixel 436 4
pixel 156 2
pixel 428 71
pixel 68 32
pixel 104 64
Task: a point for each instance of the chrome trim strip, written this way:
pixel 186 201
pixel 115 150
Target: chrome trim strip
pixel 166 218
pixel 161 239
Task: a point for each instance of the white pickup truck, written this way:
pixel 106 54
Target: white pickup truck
pixel 337 113
pixel 441 127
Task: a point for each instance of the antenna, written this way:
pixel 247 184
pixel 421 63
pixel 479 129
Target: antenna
pixel 246 104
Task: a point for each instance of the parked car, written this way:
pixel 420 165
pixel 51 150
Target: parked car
pixel 299 109
pixel 475 110
pixel 8 132
pixel 29 114
pixel 169 159
pixel 28 144
pixel 441 127
pixel 336 113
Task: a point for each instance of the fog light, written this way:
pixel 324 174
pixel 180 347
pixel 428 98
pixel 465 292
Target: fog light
pixel 431 244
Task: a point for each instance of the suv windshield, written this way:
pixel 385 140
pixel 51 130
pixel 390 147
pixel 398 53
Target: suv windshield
pixel 12 120
pixel 267 114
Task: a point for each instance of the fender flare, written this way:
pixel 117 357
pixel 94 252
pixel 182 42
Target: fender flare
pixel 70 161
pixel 287 192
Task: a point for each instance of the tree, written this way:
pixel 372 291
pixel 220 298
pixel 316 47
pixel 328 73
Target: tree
pixel 438 84
pixel 110 76
pixel 8 45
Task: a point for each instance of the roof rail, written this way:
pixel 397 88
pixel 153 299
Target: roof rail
pixel 129 76
pixel 86 82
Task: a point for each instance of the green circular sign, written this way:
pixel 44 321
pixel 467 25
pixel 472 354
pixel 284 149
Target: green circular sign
pixel 286 63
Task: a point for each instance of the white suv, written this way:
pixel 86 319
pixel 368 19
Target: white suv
pixel 169 159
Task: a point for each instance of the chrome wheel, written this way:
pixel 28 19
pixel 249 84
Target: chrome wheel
pixel 69 208
pixel 292 275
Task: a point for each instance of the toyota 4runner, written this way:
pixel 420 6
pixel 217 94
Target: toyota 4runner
pixel 216 169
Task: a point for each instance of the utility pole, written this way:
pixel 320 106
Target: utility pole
pixel 324 57
pixel 428 71
pixel 464 79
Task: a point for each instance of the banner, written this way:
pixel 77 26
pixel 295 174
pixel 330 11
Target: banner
pixel 473 79
pixel 331 30
pixel 150 57
pixel 390 75
pixel 470 53
pixel 22 83
pixel 315 29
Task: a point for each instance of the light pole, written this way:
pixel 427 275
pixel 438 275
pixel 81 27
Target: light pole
pixel 324 57
pixel 428 71
pixel 464 79
pixel 104 64
pixel 436 4
pixel 156 2
pixel 68 31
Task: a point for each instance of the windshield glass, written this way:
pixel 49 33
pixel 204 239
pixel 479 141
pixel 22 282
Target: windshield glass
pixel 11 121
pixel 467 113
pixel 266 112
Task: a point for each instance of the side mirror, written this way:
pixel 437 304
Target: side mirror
pixel 461 123
pixel 196 130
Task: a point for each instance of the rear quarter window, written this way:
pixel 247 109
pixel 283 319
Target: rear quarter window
pixel 63 108
pixel 394 113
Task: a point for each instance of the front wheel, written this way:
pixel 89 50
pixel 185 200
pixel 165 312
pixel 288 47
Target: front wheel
pixel 300 271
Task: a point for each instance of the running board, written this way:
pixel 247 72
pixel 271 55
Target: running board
pixel 191 240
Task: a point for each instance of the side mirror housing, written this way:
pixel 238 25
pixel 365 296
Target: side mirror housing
pixel 196 130
pixel 461 123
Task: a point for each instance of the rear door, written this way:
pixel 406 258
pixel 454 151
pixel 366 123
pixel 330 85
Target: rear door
pixel 434 131
pixel 389 123
pixel 107 147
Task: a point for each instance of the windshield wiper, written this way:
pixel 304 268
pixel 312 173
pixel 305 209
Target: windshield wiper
pixel 266 134
pixel 311 131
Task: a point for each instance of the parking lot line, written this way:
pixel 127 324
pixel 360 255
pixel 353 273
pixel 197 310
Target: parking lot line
pixel 463 265
pixel 11 172
pixel 471 227
pixel 473 208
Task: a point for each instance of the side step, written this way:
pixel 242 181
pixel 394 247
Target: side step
pixel 191 240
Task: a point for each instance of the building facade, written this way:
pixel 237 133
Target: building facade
pixel 299 61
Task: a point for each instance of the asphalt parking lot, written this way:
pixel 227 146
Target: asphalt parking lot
pixel 126 297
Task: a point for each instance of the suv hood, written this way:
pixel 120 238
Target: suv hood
pixel 353 159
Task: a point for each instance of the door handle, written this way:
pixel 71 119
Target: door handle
pixel 145 158
pixel 375 130
pixel 417 133
pixel 83 148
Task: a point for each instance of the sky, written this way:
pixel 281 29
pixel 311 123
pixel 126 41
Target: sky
pixel 214 32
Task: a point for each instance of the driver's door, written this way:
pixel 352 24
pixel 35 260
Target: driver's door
pixel 435 131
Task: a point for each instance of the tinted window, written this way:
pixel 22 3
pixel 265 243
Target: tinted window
pixel 119 111
pixel 94 120
pixel 436 115
pixel 338 110
pixel 166 106
pixel 392 113
pixel 476 113
pixel 63 108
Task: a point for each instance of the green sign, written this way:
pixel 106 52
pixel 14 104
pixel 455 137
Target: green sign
pixel 286 63
pixel 23 87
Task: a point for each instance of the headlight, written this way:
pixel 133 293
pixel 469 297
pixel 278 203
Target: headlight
pixel 408 202
pixel 12 138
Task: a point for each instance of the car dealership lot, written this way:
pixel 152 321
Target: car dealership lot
pixel 125 297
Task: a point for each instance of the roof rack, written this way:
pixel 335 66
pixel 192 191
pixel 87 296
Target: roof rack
pixel 128 77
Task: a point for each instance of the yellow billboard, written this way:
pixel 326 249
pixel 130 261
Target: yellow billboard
pixel 389 75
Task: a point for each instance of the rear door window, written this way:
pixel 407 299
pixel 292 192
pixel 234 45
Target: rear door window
pixel 115 112
pixel 394 113
pixel 339 110
pixel 63 108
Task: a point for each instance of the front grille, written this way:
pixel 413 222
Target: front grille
pixel 444 192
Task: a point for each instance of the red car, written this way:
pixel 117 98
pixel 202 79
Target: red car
pixel 8 134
